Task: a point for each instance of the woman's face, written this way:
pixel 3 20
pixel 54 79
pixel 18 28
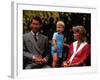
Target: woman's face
pixel 76 35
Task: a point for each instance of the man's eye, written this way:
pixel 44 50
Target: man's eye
pixel 35 24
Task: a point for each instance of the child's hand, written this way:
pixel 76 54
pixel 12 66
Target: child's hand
pixel 55 48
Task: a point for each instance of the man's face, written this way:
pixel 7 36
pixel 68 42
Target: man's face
pixel 35 25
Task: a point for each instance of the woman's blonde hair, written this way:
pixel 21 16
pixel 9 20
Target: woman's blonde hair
pixel 81 30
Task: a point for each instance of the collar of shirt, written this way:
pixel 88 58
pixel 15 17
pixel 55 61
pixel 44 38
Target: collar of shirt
pixel 34 34
pixel 59 33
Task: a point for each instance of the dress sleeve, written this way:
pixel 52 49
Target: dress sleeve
pixel 85 54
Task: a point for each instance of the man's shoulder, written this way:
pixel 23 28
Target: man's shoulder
pixel 26 34
pixel 43 36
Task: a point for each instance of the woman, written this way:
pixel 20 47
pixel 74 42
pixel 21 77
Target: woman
pixel 79 50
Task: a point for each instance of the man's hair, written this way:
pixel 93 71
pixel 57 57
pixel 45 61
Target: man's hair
pixel 36 18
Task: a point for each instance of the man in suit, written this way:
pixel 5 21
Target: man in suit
pixel 35 47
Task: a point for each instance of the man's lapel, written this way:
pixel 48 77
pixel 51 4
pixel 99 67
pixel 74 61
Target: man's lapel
pixel 39 40
pixel 34 43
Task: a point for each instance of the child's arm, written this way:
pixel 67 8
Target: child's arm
pixel 54 44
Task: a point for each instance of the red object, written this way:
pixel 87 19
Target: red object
pixel 81 57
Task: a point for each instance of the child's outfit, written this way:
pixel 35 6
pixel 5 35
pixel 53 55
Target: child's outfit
pixel 59 37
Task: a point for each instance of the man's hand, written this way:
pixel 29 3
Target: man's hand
pixel 39 60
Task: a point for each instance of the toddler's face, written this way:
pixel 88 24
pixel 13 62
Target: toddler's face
pixel 60 28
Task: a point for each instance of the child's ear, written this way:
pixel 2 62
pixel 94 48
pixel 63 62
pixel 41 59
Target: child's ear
pixel 30 26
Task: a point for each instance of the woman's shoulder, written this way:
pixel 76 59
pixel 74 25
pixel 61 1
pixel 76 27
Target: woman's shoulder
pixel 75 42
pixel 87 45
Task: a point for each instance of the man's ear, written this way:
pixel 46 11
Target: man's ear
pixel 40 25
pixel 30 26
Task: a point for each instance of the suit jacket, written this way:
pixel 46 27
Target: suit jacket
pixel 31 47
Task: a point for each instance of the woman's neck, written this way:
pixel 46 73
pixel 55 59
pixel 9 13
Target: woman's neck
pixel 79 42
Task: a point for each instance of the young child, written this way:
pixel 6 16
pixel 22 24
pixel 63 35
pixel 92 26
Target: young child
pixel 57 43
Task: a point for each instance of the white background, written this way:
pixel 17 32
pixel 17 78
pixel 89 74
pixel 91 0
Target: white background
pixel 5 38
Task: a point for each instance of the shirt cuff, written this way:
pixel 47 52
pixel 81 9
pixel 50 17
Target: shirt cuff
pixel 45 59
pixel 33 57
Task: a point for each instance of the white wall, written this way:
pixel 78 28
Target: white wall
pixel 5 38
